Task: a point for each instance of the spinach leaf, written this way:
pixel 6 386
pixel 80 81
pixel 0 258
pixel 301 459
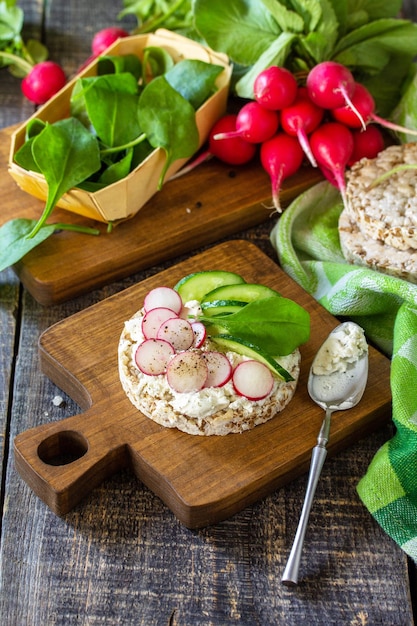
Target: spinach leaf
pixel 119 64
pixel 171 125
pixel 15 241
pixel 118 170
pixel 110 101
pixel 276 325
pixel 24 156
pixel 156 61
pixel 194 80
pixel 66 154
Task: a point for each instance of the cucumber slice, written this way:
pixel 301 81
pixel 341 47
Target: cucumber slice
pixel 246 348
pixel 221 307
pixel 196 285
pixel 244 292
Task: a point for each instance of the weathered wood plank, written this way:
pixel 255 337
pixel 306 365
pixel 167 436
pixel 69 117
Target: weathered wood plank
pixel 9 326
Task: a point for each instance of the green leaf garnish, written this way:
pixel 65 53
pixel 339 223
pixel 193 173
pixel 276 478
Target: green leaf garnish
pixel 277 325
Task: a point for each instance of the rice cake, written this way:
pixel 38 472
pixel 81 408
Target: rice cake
pixel 387 212
pixel 359 249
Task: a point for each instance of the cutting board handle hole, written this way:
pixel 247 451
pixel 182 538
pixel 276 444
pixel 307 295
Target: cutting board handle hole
pixel 62 448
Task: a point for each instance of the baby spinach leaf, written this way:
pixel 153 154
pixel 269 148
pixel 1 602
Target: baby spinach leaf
pixel 156 61
pixel 120 64
pixel 24 156
pixel 66 154
pixel 16 238
pixel 276 325
pixel 179 139
pixel 15 241
pixel 111 100
pixel 140 152
pixel 34 127
pixel 194 80
pixel 118 170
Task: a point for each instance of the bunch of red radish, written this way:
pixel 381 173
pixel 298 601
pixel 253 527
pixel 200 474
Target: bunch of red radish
pixel 330 120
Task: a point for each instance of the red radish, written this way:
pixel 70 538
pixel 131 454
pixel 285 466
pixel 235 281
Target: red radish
pixel 300 119
pixel 362 110
pixel 187 372
pixel 152 356
pixel 219 368
pixel 163 297
pixel 330 84
pixel 43 81
pixel 200 333
pixel 105 37
pixel 177 332
pixel 275 88
pixel 281 157
pixel 153 320
pixel 254 123
pixel 366 143
pixel 233 150
pixel 253 380
pixel 332 146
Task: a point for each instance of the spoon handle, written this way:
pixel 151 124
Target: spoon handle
pixel 290 575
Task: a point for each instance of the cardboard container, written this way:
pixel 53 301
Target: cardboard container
pixel 123 199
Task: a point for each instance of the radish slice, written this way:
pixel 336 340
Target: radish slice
pixel 253 380
pixel 200 333
pixel 152 356
pixel 164 297
pixel 187 372
pixel 177 332
pixel 153 319
pixel 219 368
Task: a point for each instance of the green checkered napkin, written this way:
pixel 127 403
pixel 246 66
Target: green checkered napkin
pixel 307 243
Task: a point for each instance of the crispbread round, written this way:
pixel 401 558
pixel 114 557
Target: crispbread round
pixel 211 411
pixel 388 211
pixel 359 249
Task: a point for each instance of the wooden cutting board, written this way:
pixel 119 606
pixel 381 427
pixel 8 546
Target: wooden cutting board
pixel 202 479
pixel 197 209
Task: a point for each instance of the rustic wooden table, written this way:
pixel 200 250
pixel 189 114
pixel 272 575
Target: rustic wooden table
pixel 121 557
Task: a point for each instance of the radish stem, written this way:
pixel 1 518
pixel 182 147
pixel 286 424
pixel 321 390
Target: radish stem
pixel 392 126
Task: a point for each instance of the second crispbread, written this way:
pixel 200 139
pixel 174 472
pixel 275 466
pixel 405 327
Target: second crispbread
pixel 378 228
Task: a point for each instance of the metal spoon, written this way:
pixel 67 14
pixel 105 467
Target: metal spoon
pixel 336 382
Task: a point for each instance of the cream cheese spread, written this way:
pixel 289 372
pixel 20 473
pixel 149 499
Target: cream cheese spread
pixel 343 347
